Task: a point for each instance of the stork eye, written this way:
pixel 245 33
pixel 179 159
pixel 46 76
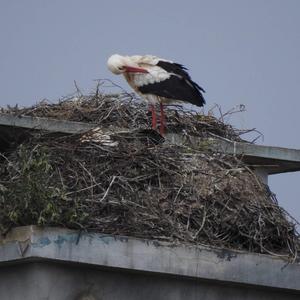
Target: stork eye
pixel 121 68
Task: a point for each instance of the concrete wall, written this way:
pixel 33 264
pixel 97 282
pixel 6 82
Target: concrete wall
pixel 60 264
pixel 54 281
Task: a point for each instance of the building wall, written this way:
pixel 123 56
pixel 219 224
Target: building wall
pixel 61 281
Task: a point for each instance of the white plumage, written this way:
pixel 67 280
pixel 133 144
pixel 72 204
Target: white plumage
pixel 157 81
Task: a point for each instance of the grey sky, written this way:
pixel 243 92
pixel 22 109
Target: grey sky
pixel 239 51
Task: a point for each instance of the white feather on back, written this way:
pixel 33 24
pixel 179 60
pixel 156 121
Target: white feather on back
pixel 155 75
pixel 145 59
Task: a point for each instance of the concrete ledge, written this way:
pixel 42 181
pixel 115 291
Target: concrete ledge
pixel 272 160
pixel 267 159
pixel 54 125
pixel 115 252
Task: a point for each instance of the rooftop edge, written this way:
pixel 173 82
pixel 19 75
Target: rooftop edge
pixel 117 252
pixel 273 159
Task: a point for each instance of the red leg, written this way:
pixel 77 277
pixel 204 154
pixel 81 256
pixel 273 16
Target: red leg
pixel 162 120
pixel 152 109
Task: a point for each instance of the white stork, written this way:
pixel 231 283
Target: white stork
pixel 157 81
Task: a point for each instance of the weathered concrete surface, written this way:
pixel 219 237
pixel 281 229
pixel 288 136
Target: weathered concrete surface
pixel 272 160
pixel 54 125
pixel 54 281
pixel 61 264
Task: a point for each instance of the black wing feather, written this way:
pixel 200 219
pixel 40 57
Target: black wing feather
pixel 178 69
pixel 178 87
pixel 175 88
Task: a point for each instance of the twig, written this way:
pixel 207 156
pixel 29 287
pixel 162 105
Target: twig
pixel 106 192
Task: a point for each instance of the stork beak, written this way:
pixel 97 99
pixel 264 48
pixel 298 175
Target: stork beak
pixel 135 70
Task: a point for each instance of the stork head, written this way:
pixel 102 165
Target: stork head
pixel 119 64
pixel 116 64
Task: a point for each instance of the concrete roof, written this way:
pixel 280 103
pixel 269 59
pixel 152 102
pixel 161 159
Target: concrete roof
pixel 273 160
pixel 31 243
pixel 44 124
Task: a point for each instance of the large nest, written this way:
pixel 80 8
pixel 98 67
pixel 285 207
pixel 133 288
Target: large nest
pixel 124 111
pixel 131 184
